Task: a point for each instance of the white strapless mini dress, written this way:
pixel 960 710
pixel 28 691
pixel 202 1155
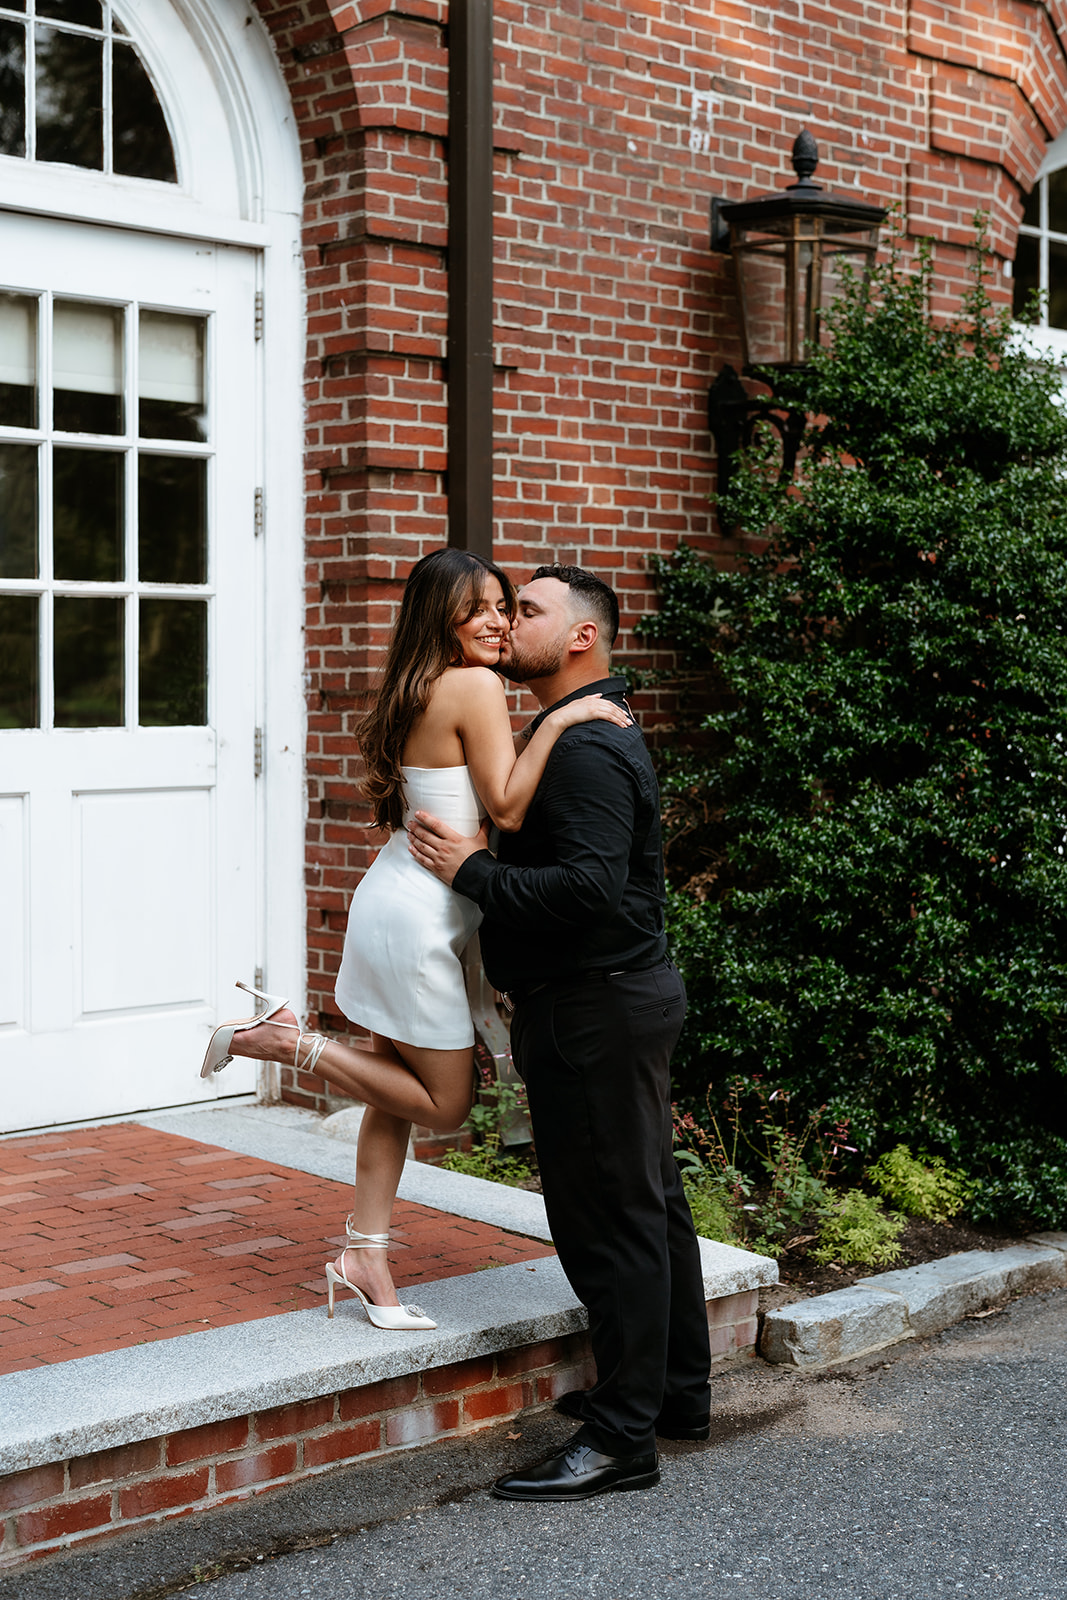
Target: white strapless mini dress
pixel 401 973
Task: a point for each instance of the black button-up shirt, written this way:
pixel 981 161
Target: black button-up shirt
pixel 581 884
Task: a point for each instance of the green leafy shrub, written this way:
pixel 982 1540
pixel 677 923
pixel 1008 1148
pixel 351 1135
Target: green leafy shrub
pixel 867 835
pixel 853 1229
pixel 925 1187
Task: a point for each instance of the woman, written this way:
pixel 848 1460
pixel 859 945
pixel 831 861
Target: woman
pixel 438 739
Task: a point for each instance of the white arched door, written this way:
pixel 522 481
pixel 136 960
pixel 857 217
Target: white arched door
pixel 135 463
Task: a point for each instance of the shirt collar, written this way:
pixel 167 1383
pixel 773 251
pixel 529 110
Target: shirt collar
pixel 604 686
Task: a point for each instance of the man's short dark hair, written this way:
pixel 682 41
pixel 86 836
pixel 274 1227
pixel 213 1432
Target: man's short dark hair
pixel 595 593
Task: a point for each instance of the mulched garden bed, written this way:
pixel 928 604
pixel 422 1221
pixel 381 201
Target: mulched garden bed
pixel 800 1277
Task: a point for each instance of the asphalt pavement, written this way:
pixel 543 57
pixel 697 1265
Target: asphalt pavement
pixel 936 1469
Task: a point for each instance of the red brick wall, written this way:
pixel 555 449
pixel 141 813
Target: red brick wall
pixel 616 122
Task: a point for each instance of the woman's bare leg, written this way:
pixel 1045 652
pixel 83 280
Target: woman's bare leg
pixel 394 1072
pixel 383 1143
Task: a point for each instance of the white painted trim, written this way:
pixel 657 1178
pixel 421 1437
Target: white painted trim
pixel 1055 157
pixel 270 182
pixel 172 214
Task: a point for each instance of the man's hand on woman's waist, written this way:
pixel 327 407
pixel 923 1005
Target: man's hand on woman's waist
pixel 439 848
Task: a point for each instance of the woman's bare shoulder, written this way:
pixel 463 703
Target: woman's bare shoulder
pixel 464 684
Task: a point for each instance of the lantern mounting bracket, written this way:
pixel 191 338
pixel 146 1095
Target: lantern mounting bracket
pixel 733 416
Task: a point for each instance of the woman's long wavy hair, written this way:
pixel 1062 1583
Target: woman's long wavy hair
pixel 442 592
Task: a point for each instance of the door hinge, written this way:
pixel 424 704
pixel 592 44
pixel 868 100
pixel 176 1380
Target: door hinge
pixel 257 979
pixel 258 512
pixel 259 314
pixel 257 756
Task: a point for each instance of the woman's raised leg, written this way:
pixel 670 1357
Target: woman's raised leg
pixel 430 1087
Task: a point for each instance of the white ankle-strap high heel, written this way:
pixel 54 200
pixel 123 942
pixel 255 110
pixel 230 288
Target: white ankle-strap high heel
pixel 218 1050
pixel 394 1319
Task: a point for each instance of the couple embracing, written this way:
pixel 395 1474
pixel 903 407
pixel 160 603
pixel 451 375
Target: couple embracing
pixel 570 916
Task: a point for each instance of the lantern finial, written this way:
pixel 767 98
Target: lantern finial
pixel 805 160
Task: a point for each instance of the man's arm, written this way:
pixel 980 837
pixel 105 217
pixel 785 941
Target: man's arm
pixel 588 804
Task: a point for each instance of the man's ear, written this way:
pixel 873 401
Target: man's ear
pixel 585 637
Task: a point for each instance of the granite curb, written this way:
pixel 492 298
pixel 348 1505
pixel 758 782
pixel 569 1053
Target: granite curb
pixel 883 1310
pixel 97 1402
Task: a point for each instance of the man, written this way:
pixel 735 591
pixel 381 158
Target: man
pixel 573 934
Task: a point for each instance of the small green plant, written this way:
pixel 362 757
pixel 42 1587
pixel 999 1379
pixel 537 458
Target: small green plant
pixel 485 1161
pixel 715 1212
pixel 920 1186
pixel 496 1104
pixel 853 1229
pixel 797 1164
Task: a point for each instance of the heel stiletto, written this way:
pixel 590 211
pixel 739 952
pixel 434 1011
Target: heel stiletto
pixel 218 1051
pixel 394 1319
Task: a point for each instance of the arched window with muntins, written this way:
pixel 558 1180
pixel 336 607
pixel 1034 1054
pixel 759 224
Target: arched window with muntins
pixel 1041 256
pixel 74 91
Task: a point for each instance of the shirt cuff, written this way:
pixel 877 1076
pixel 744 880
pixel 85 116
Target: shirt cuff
pixel 472 879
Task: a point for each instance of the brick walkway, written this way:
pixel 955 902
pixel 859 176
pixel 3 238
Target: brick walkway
pixel 117 1235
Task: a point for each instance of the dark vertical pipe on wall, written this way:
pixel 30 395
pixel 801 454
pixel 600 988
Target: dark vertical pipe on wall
pixel 470 275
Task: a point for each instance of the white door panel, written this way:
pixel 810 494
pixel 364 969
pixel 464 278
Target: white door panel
pixel 128 857
pixel 13 912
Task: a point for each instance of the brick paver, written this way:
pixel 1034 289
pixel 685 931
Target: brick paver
pixel 142 1235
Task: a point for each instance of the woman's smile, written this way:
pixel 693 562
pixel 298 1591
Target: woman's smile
pixel 481 635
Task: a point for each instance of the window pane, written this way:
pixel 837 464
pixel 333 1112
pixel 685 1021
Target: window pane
pixel 87 368
pixel 171 377
pixel 1057 201
pixel 18 360
pixel 1057 284
pixel 18 661
pixel 173 663
pixel 87 533
pixel 85 12
pixel 18 511
pixel 141 146
pixel 12 89
pixel 1032 209
pixel 70 84
pixel 171 519
pixel 1025 276
pixel 88 650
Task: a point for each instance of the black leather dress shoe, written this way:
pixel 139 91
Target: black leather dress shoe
pixel 667 1427
pixel 578 1473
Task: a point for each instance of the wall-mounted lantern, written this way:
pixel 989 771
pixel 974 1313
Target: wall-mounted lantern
pixel 787 248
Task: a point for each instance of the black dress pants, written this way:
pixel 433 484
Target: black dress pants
pixel 595 1057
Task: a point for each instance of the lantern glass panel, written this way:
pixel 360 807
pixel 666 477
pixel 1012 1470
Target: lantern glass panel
pixel 761 270
pixel 787 278
pixel 840 255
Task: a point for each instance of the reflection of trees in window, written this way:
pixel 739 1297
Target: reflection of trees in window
pixel 12 89
pixel 141 146
pixel 91 101
pixel 70 96
pixel 1041 257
